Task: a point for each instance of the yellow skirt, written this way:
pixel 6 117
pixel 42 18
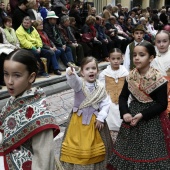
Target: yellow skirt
pixel 82 144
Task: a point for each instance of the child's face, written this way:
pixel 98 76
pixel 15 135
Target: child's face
pixel 90 71
pixel 8 24
pixel 162 42
pixel 141 59
pixel 17 78
pixel 115 60
pixel 138 36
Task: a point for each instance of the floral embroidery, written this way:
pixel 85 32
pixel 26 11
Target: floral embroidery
pixel 26 118
pixel 38 122
pixel 27 165
pixel 29 113
pixel 11 123
pixel 21 101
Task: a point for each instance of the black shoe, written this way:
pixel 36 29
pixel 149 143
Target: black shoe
pixel 57 72
pixel 61 69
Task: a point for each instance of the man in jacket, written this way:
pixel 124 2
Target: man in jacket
pixel 77 49
pixel 55 36
pixel 30 40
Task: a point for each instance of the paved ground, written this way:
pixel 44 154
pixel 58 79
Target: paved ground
pixel 61 105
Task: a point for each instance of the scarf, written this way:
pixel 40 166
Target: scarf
pixel 11 35
pixel 142 86
pixel 25 116
pixel 162 62
pixel 21 119
pixel 116 74
pixel 93 30
pixel 44 38
pixel 93 98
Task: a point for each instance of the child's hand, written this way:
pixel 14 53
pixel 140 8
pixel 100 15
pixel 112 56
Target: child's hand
pixel 127 117
pixel 70 71
pixel 136 119
pixel 99 125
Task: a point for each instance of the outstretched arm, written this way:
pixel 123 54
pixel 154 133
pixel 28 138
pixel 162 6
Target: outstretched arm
pixel 73 80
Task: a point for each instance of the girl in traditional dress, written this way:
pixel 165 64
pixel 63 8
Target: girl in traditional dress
pixel 26 124
pixel 143 139
pixel 113 77
pixel 87 143
pixel 162 60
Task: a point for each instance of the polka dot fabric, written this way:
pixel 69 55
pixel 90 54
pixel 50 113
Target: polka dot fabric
pixel 141 147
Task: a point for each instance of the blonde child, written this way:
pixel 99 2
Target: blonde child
pixel 87 143
pixel 162 60
pixel 113 77
pixel 143 139
pixel 26 124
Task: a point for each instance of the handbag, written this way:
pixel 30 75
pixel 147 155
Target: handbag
pixel 87 37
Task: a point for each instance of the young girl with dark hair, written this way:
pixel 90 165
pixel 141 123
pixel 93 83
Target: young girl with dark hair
pixel 143 139
pixel 27 126
pixel 113 78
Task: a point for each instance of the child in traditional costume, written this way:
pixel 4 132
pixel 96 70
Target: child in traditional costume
pixel 87 143
pixel 138 34
pixel 27 126
pixel 162 60
pixel 113 77
pixel 143 139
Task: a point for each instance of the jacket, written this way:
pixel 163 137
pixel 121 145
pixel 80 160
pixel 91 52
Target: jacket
pixel 54 34
pixel 29 40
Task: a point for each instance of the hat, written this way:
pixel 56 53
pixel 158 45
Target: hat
pixel 51 14
pixel 139 28
pixel 142 19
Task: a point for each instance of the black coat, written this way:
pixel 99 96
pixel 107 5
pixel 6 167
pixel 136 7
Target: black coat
pixel 164 18
pixel 17 18
pixel 56 36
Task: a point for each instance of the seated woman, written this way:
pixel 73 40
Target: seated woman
pixel 5 49
pixel 94 43
pixel 49 45
pixel 32 9
pixel 76 32
pixel 65 30
pixel 44 8
pixel 9 32
pixel 129 27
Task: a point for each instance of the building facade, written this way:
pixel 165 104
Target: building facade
pixel 154 4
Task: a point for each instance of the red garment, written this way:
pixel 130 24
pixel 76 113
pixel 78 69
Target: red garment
pixel 93 30
pixel 45 38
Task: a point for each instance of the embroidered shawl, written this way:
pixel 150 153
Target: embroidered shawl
pixel 20 120
pixel 142 86
pixel 93 98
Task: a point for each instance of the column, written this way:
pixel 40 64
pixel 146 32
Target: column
pixel 99 5
pixel 161 3
pixel 125 3
pixel 145 3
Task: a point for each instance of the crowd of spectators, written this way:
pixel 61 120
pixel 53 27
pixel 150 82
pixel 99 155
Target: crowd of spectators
pixel 64 33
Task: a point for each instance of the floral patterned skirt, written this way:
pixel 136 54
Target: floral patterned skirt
pixel 142 147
